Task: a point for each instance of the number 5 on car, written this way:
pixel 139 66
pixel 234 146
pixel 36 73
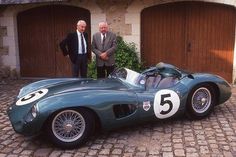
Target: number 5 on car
pixel 166 103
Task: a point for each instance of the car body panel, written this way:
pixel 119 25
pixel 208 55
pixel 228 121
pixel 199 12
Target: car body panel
pixel 115 102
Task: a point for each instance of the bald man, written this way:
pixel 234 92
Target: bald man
pixel 75 46
pixel 104 47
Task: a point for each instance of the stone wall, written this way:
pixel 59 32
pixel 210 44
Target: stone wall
pixel 4 70
pixel 115 15
pixel 27 1
pixel 123 17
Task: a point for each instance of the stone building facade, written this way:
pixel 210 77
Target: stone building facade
pixel 123 17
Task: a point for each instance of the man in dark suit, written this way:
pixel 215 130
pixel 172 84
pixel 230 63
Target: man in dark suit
pixel 75 45
pixel 104 46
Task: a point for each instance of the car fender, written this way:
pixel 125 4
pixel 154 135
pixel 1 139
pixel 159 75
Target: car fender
pixel 224 89
pixel 97 101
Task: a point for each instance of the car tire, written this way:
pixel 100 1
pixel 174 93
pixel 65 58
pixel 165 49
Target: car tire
pixel 201 101
pixel 70 128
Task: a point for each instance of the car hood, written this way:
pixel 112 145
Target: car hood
pixel 58 86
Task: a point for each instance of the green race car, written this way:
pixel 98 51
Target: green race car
pixel 69 109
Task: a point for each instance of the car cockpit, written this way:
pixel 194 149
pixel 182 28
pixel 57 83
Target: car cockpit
pixel 161 76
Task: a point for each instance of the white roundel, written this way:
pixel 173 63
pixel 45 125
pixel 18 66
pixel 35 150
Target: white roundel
pixel 166 103
pixel 31 97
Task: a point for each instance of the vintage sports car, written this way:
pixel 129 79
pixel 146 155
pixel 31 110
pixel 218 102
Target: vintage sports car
pixel 69 109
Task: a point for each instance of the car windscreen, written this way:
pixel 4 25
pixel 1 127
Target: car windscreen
pixel 129 76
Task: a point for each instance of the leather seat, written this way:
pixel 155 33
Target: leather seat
pixel 167 82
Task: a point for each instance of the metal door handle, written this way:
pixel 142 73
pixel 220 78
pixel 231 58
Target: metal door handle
pixel 189 47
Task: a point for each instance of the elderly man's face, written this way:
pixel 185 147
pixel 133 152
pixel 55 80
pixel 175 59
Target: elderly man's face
pixel 103 28
pixel 81 27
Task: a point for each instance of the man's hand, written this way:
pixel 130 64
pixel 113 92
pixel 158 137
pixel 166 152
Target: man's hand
pixel 104 56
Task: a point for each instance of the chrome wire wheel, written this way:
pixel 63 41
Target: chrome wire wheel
pixel 201 100
pixel 68 126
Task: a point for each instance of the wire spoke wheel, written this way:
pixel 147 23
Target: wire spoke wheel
pixel 201 100
pixel 68 126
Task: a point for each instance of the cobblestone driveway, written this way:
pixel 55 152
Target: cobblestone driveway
pixel 212 136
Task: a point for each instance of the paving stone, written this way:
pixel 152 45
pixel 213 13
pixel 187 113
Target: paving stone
pixel 189 138
pixel 190 143
pixel 18 150
pixel 167 154
pixel 12 155
pixel 213 136
pixel 192 155
pixel 3 137
pixel 177 140
pixel 216 150
pixel 202 142
pixel 6 150
pixel 55 153
pixel 204 149
pixel 104 151
pixel 92 152
pixel 111 140
pixel 191 150
pixel 214 146
pixel 114 155
pixel 100 156
pixel 116 151
pixel 154 152
pixel 119 146
pixel 141 149
pixel 96 146
pixel 108 145
pixel 42 152
pixel 3 155
pixel 6 142
pixel 179 152
pixel 178 145
pixel 141 154
pixel 26 152
pixel 83 149
pixel 166 149
pixel 130 149
pixel 127 155
pixel 66 155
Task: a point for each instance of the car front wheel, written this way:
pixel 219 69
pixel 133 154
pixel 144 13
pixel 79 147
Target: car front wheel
pixel 70 128
pixel 201 101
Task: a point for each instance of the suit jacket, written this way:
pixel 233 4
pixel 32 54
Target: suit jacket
pixel 109 47
pixel 69 45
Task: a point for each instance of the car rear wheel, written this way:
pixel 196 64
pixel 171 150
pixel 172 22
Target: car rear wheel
pixel 201 101
pixel 71 128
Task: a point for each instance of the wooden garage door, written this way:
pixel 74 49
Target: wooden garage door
pixel 40 31
pixel 195 36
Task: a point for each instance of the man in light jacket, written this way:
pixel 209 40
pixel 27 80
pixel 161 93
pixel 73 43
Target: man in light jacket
pixel 104 46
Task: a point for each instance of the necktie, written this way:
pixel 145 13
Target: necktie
pixel 82 43
pixel 103 40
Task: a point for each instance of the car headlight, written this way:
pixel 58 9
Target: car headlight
pixel 21 92
pixel 32 113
